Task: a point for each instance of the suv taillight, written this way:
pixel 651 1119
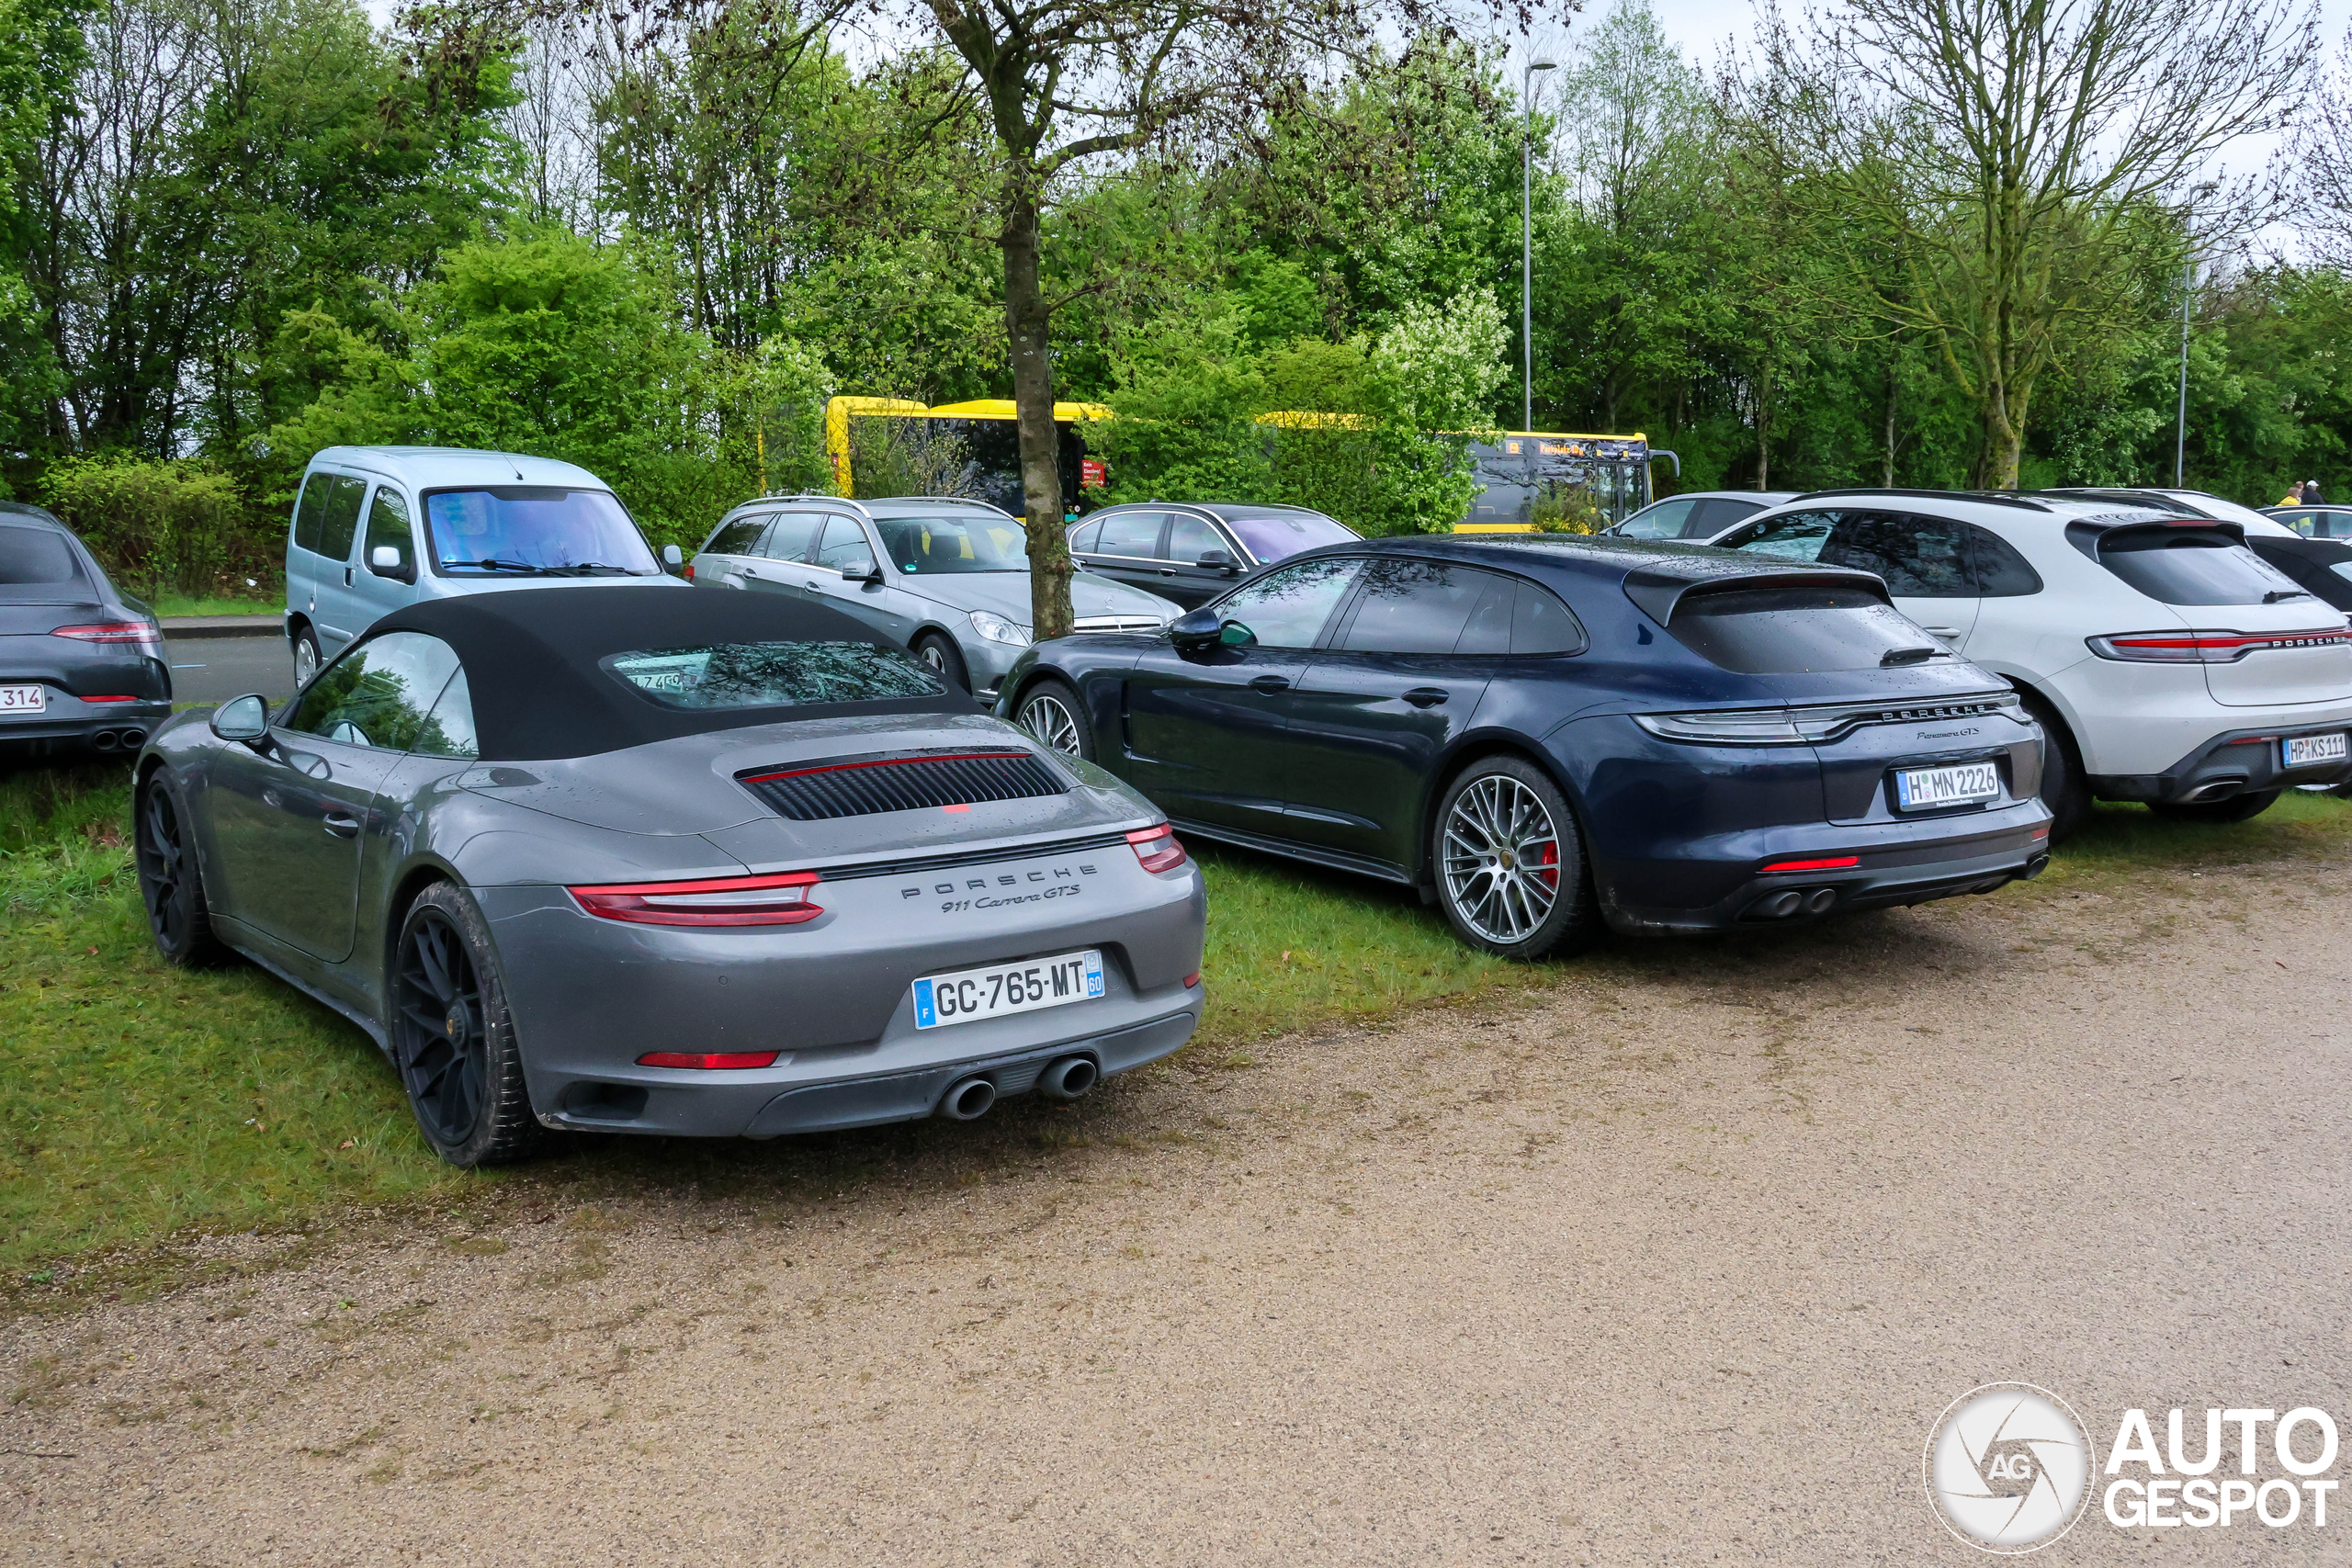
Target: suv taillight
pixel 2209 647
pixel 1157 848
pixel 778 900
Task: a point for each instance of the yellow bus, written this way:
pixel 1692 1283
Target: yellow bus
pixel 968 448
pixel 1609 474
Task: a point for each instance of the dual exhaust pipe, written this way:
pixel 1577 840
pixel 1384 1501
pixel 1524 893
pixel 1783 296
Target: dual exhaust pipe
pixel 1792 902
pixel 1065 1078
pixel 117 739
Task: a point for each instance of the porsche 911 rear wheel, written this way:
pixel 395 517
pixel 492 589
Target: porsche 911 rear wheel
pixel 170 882
pixel 1511 864
pixel 452 1038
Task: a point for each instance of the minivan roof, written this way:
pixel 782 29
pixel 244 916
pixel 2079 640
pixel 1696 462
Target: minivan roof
pixel 435 467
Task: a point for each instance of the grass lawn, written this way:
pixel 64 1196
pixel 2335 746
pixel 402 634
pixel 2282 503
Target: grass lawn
pixel 145 1100
pixel 171 605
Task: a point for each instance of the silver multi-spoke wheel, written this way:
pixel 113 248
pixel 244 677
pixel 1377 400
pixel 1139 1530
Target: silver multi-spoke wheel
pixel 1500 857
pixel 306 660
pixel 1045 716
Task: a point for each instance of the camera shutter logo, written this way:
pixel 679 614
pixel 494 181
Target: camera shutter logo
pixel 2008 1467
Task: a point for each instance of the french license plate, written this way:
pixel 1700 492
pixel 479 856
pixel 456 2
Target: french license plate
pixel 969 995
pixel 2295 750
pixel 1920 789
pixel 35 699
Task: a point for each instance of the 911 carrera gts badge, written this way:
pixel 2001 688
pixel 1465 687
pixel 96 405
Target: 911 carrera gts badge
pixel 1061 878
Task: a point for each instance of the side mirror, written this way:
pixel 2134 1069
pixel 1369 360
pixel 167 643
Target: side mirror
pixel 244 721
pixel 672 558
pixel 1217 561
pixel 1194 631
pixel 384 560
pixel 863 568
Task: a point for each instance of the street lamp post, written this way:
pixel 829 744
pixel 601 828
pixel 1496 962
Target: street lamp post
pixel 2187 293
pixel 1527 237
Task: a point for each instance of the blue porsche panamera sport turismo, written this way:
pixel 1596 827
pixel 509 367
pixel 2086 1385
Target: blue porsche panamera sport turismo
pixel 1549 733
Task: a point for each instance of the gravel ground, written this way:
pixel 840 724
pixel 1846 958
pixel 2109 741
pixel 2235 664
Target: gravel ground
pixel 1673 1264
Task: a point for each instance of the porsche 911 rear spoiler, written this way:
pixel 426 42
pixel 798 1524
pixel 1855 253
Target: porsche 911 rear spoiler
pixel 1658 591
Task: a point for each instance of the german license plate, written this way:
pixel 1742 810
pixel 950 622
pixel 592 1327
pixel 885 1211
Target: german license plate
pixel 1921 789
pixel 970 995
pixel 2295 750
pixel 35 699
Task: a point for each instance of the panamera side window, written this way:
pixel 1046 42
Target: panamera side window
pixel 381 694
pixel 1424 606
pixel 1290 606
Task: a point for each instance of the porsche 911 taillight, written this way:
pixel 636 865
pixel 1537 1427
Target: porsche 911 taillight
pixel 781 899
pixel 1157 848
pixel 709 1061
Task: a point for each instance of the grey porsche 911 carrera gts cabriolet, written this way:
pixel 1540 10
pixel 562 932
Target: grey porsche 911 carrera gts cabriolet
pixel 671 863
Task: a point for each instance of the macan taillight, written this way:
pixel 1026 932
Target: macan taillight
pixel 2209 647
pixel 780 899
pixel 1157 848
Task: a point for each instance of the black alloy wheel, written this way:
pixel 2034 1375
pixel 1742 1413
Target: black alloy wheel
pixel 1509 863
pixel 1051 711
pixel 452 1038
pixel 941 657
pixel 2237 808
pixel 170 882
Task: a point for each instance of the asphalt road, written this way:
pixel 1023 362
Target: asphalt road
pixel 214 669
pixel 1674 1264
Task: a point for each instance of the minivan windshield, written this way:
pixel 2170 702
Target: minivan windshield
pixel 935 547
pixel 534 530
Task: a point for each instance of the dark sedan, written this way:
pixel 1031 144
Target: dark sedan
pixel 1191 552
pixel 81 662
pixel 1544 733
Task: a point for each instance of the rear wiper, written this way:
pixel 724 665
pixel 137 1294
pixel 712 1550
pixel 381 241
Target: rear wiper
pixel 2275 594
pixel 1909 655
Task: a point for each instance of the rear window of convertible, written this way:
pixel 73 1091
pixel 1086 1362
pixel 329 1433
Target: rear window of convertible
pixel 1789 631
pixel 773 674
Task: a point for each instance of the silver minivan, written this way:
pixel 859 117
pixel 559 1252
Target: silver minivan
pixel 947 577
pixel 378 527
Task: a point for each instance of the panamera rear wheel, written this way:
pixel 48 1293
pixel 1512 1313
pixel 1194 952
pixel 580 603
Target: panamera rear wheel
pixel 452 1038
pixel 171 884
pixel 1051 711
pixel 1511 864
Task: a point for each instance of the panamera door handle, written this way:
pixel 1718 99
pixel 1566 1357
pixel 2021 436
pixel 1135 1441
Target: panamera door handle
pixel 1270 684
pixel 1425 696
pixel 344 827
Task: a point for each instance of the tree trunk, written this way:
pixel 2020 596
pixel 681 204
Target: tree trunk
pixel 1028 328
pixel 1887 481
pixel 1764 431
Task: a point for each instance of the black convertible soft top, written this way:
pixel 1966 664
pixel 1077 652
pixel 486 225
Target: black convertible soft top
pixel 531 662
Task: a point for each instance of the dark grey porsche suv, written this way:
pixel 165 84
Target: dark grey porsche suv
pixel 81 662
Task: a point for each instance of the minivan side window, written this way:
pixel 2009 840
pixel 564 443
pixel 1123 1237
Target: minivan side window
pixel 336 514
pixel 387 524
pixel 310 514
